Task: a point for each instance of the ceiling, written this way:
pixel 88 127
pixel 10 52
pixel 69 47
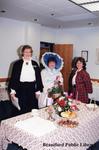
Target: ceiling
pixel 51 13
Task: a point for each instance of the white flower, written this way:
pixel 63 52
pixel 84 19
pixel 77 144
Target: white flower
pixel 70 99
pixel 69 103
pixel 62 97
pixel 59 109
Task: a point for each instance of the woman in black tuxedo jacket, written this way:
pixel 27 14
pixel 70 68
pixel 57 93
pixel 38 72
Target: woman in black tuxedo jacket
pixel 25 82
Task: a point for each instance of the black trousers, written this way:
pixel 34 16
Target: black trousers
pixel 14 146
pixel 27 98
pixel 94 146
pixel 6 109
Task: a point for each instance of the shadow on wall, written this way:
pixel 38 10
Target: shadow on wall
pixel 12 63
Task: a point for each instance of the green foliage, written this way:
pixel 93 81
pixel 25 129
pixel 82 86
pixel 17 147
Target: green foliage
pixel 56 90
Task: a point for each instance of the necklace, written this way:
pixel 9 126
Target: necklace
pixel 27 63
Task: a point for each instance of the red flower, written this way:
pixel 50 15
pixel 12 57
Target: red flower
pixel 62 103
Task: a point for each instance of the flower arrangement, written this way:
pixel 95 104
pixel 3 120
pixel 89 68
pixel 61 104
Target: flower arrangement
pixel 62 103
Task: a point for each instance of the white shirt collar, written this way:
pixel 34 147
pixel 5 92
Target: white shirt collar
pixel 79 70
pixel 25 60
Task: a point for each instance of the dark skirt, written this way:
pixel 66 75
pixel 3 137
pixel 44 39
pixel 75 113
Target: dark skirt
pixel 26 96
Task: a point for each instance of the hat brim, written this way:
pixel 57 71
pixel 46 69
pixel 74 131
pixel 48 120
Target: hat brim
pixel 58 60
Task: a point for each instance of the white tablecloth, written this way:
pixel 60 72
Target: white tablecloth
pixel 31 126
pixel 95 94
pixel 62 138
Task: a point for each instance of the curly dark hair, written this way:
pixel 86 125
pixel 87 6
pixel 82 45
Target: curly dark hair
pixel 26 47
pixel 51 59
pixel 73 64
pixel 81 59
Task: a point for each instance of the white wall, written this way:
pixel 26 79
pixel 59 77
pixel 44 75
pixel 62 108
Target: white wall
pixel 16 33
pixel 48 34
pixel 32 37
pixel 12 35
pixel 82 39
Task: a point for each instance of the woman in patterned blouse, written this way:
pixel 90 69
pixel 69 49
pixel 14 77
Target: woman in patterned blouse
pixel 81 81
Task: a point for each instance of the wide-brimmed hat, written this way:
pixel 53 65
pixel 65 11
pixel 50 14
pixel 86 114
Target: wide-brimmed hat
pixel 50 56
